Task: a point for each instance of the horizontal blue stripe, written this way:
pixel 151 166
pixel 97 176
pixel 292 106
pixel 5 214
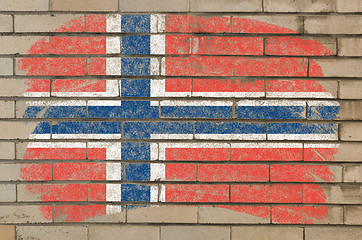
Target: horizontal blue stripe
pixel 87 128
pixel 323 112
pixel 136 44
pixel 135 193
pixel 196 111
pixel 138 172
pixel 136 23
pixel 143 130
pixel 55 112
pixel 135 66
pixel 229 128
pixel 271 112
pixel 128 109
pixel 302 128
pixel 135 151
pixel 42 128
pixel 135 88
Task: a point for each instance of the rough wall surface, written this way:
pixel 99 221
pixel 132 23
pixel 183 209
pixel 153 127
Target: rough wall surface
pixel 180 119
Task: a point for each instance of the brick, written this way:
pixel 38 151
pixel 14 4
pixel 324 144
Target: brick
pixel 194 232
pixel 20 87
pixel 84 5
pixel 162 214
pixel 19 5
pixel 350 110
pixel 20 44
pixel 352 6
pixel 349 89
pixel 225 6
pixel 333 233
pixel 9 172
pixel 52 232
pixel 123 232
pixel 17 130
pixel 234 214
pixel 6 23
pixel 7 150
pixel 287 24
pixel 343 194
pixel 299 6
pixel 49 23
pixel 7 232
pixel 349 152
pixel 352 215
pixel 7 109
pixel 23 214
pixel 7 192
pixel 353 173
pixel 335 68
pixel 267 233
pixel 154 6
pixel 337 24
pixel 351 132
pixel 350 46
pixel 6 66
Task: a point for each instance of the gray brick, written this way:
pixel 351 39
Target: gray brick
pixel 18 87
pixel 7 109
pixel 163 214
pixel 17 130
pixel 267 233
pixel 349 152
pixel 43 23
pixel 350 110
pixel 7 193
pixel 22 214
pixel 352 6
pixel 194 232
pixel 333 233
pixel 123 232
pixel 6 66
pixel 7 150
pixel 21 5
pixel 343 194
pixel 353 173
pixel 154 5
pixel 299 6
pixel 351 131
pixel 350 89
pixel 84 5
pixel 52 232
pixel 350 47
pixel 337 24
pixel 18 44
pixel 6 23
pixel 226 6
pixel 340 67
pixel 9 172
pixel 352 215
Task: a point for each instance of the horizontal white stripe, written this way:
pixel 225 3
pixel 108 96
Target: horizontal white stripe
pixel 57 103
pixel 114 171
pixel 266 145
pixel 114 23
pixel 195 103
pixel 113 150
pixel 322 145
pixel 299 95
pixel 114 66
pixel 322 103
pixel 39 136
pixel 86 136
pixel 57 145
pixel 271 103
pixel 104 103
pixel 171 136
pixel 112 209
pixel 112 90
pixel 113 45
pixel 302 137
pixel 113 192
pixel 231 136
pixel 37 94
pixel 229 94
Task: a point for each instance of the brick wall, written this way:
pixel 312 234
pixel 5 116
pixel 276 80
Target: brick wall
pixel 268 148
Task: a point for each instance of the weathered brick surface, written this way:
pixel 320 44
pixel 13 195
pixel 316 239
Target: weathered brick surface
pixel 18 87
pixel 154 6
pixel 7 232
pixel 19 5
pixel 84 5
pixel 16 130
pixel 163 214
pixel 341 194
pixel 299 6
pixel 7 109
pixel 226 6
pixel 266 233
pixel 350 47
pixel 350 89
pixel 352 215
pixel 6 66
pixel 6 23
pixel 46 23
pixel 124 232
pixel 22 214
pixel 351 132
pixel 353 173
pixel 349 6
pixel 7 150
pixel 333 233
pixel 7 192
pixel 350 110
pixel 18 44
pixel 333 24
pixel 194 232
pixel 52 232
pixel 338 68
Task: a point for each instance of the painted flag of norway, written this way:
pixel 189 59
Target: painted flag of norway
pixel 254 158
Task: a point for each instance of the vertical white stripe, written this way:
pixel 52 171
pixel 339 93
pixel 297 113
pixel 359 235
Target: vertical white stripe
pixel 158 44
pixel 113 150
pixel 112 88
pixel 154 23
pixel 161 23
pixel 163 64
pixel 111 209
pixel 157 172
pixel 154 151
pixel 114 171
pixel 154 66
pixel 154 194
pixel 113 192
pixel 162 197
pixel 114 23
pixel 114 66
pixel 113 45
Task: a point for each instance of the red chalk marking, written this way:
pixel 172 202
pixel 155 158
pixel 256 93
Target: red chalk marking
pixel 180 172
pixel 266 154
pixel 78 45
pixel 55 153
pixel 59 192
pixel 196 193
pixel 79 171
pixel 76 85
pixel 298 214
pixel 178 85
pixel 300 173
pixel 215 85
pixel 36 172
pixel 245 25
pixel 197 154
pixel 75 213
pixel 320 154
